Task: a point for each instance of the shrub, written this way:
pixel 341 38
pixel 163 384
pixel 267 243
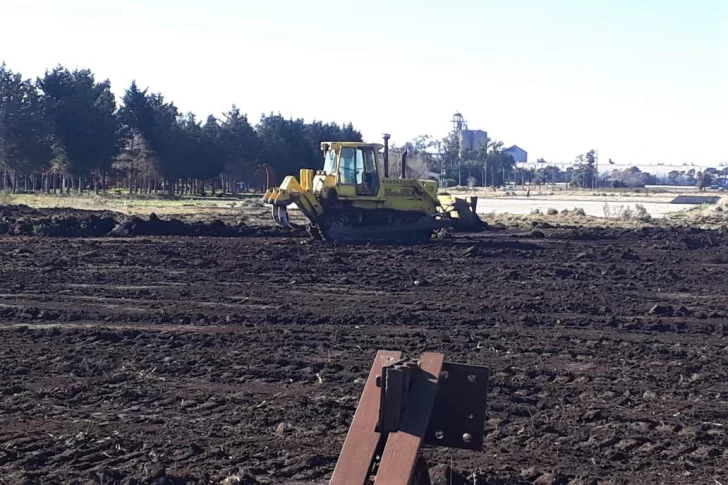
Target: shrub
pixel 640 213
pixel 551 211
pixel 610 211
pixel 579 211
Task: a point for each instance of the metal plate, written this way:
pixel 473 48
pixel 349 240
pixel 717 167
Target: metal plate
pixel 458 418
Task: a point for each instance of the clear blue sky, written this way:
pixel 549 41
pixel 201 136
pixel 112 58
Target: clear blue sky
pixel 644 81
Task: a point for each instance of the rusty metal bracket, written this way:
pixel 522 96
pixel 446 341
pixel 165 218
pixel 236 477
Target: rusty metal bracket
pixel 394 383
pixel 362 441
pixel 407 403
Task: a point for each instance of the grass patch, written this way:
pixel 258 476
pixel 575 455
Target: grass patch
pixel 249 208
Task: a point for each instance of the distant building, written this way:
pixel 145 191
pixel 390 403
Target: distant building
pixel 473 140
pixel 519 154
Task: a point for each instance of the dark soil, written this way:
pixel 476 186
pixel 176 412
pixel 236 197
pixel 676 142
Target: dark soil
pixel 181 360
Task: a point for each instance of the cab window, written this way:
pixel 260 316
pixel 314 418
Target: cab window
pixel 348 169
pixel 358 167
pixel 330 162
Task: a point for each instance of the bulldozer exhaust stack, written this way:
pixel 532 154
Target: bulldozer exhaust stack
pixel 386 155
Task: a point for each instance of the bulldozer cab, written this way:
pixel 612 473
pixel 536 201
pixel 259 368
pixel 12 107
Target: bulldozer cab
pixel 355 167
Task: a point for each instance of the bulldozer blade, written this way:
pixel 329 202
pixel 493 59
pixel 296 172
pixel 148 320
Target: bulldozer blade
pixel 467 220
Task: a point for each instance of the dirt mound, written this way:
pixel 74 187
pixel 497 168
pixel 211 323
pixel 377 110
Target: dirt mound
pixel 696 199
pixel 154 226
pixel 691 237
pixel 26 221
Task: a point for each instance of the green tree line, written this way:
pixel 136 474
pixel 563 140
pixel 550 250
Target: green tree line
pixel 584 175
pixel 66 131
pixel 491 166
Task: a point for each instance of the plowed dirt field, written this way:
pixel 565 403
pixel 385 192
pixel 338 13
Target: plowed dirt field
pixel 186 360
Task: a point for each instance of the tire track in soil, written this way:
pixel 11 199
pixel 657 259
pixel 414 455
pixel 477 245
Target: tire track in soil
pixel 232 355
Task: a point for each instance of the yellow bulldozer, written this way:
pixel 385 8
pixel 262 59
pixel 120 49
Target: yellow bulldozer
pixel 354 200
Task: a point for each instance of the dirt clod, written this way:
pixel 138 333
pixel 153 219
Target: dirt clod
pixel 663 310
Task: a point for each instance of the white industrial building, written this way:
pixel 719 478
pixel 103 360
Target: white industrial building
pixel 519 154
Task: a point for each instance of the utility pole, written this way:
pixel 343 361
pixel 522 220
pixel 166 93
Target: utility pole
pixel 439 154
pixel 460 171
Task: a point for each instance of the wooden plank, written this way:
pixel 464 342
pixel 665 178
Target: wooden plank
pixel 361 442
pixel 402 449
